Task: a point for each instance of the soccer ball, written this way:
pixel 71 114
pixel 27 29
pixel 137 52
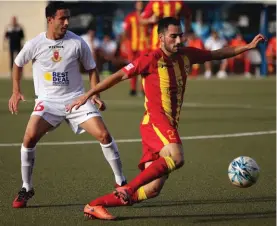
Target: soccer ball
pixel 243 172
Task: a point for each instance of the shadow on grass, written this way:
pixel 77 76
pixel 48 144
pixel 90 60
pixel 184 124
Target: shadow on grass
pixel 205 201
pixel 205 218
pixel 161 204
pixel 81 205
pixel 197 218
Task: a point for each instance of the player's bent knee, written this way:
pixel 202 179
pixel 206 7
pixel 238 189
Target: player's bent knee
pixel 30 140
pixel 180 162
pixel 174 155
pixel 153 192
pixel 104 137
pixel 176 161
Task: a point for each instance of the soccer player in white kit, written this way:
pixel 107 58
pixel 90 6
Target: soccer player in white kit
pixel 55 56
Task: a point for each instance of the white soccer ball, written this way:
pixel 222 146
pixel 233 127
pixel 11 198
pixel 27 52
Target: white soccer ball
pixel 243 172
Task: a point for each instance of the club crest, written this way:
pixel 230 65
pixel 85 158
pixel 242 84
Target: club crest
pixel 56 56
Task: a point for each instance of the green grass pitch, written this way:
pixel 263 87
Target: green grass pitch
pixel 68 176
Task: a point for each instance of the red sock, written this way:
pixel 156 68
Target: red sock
pixel 111 200
pixel 247 65
pixel 133 83
pixel 157 169
pixel 107 200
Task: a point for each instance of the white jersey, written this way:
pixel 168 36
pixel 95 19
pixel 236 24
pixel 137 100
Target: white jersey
pixel 56 69
pixel 215 44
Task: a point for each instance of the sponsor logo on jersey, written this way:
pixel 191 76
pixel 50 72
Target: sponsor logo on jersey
pixel 56 56
pixel 56 47
pixel 129 67
pixel 57 78
pixel 89 113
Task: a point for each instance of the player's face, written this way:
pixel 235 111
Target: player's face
pixel 139 5
pixel 172 39
pixel 60 22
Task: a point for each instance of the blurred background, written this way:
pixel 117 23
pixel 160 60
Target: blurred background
pixel 229 22
pixel 229 111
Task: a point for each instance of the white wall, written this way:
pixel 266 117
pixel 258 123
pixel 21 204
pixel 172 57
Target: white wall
pixel 30 15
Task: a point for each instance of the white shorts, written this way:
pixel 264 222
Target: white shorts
pixel 55 113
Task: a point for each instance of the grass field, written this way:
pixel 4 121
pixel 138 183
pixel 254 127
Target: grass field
pixel 69 175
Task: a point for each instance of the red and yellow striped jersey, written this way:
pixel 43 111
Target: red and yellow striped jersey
pixel 271 48
pixel 136 32
pixel 238 42
pixel 164 81
pixel 163 9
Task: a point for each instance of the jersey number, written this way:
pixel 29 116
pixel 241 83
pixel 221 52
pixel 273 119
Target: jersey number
pixel 171 134
pixel 39 107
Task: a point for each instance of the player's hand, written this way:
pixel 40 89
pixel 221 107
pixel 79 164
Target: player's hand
pixel 101 104
pixel 77 103
pixel 153 19
pixel 259 38
pixel 13 102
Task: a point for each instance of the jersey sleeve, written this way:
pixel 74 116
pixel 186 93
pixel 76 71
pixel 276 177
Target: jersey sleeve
pixel 148 11
pixel 139 66
pixel 198 56
pixel 86 56
pixel 25 55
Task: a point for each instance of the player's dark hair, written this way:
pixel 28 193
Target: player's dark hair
pixel 165 22
pixel 53 7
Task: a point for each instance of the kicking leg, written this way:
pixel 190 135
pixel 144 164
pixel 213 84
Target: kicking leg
pixel 96 208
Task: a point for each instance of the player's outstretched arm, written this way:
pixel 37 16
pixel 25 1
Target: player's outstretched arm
pixel 100 87
pixel 94 80
pixel 228 52
pixel 16 92
pixel 151 20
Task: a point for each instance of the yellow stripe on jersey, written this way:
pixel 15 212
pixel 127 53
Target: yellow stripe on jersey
pixel 156 8
pixel 164 88
pixel 178 7
pixel 141 38
pixel 134 33
pixel 166 9
pixel 145 119
pixel 179 82
pixel 155 37
pixel 160 135
pixel 170 163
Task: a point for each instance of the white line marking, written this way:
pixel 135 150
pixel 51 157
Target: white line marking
pixel 185 104
pixel 203 137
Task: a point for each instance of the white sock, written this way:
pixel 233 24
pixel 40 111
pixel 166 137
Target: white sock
pixel 27 164
pixel 111 154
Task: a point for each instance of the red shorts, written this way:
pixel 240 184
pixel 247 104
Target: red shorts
pixel 154 138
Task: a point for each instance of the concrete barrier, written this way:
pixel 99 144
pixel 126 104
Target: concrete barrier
pixel 31 15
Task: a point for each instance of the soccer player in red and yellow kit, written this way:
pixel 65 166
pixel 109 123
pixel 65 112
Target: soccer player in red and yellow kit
pixel 136 34
pixel 164 72
pixel 271 54
pixel 238 41
pixel 156 10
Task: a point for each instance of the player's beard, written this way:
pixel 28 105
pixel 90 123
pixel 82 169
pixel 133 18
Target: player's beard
pixel 170 49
